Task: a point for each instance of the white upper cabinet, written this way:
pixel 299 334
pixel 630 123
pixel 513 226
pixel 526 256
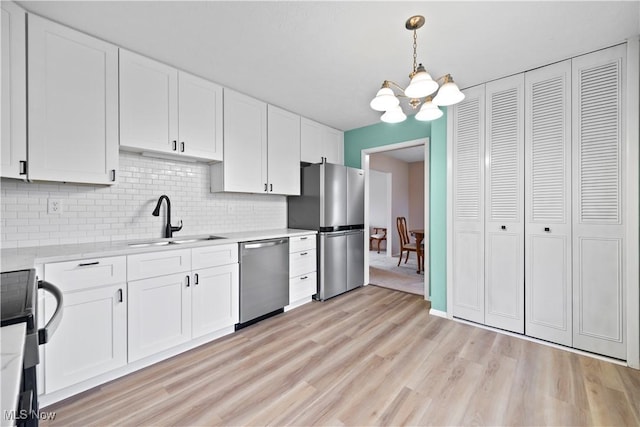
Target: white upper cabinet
pixel 319 142
pixel 14 92
pixel 244 168
pixel 504 213
pixel 72 105
pixel 199 117
pixel 261 148
pixel 166 111
pixel 148 104
pixel 283 151
pixel 548 203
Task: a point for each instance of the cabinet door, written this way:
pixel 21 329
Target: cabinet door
pixel 283 156
pixel 468 206
pixel 148 104
pixel 548 203
pixel 598 180
pixel 504 214
pixel 159 314
pixel 333 145
pixel 215 299
pixel 200 117
pixel 311 141
pixel 73 105
pixel 91 338
pixel 245 143
pixel 14 92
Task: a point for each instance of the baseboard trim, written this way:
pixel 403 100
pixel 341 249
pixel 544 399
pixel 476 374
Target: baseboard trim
pixel 543 342
pixel 438 313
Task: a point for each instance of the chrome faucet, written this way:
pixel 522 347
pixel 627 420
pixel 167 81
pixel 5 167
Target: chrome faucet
pixel 169 229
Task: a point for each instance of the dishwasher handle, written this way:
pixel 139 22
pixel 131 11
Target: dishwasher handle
pixel 259 245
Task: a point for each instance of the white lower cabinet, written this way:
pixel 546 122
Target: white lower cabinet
pixel 198 298
pixel 91 339
pixel 159 314
pixel 214 299
pixel 303 283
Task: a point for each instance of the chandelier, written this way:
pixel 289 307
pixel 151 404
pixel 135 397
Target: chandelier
pixel 420 90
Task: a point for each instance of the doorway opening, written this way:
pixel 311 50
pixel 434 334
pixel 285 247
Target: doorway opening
pixel 395 187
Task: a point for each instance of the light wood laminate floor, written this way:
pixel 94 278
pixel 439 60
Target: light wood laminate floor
pixel 371 357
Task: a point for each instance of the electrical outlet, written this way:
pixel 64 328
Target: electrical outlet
pixel 54 206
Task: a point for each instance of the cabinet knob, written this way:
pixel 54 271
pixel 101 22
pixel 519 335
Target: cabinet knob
pixel 503 227
pixel 547 229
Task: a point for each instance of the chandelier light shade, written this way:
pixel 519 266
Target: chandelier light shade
pixel 429 111
pixel 394 115
pixel 420 90
pixel 384 100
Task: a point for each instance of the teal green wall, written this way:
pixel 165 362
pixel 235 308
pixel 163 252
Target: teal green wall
pixel 382 134
pixel 356 140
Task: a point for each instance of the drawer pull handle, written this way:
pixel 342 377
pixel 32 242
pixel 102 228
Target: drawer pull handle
pixel 503 227
pixel 304 253
pixel 120 297
pixel 87 264
pixel 305 277
pixel 188 281
pixel 547 229
pixel 303 238
pixel 195 279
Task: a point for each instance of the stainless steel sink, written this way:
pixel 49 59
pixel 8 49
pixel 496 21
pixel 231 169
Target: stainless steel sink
pixel 197 239
pixel 145 244
pixel 173 242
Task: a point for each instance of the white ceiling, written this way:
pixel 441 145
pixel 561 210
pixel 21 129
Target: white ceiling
pixel 326 60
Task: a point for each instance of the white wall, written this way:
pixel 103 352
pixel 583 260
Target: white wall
pixel 123 211
pixel 416 196
pixel 378 204
pixel 399 191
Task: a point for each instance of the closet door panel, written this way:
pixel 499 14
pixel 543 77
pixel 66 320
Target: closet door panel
pixel 468 206
pixel 504 216
pixel 598 182
pixel 548 203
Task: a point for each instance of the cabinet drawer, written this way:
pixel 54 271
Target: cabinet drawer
pixel 302 286
pixel 213 256
pixel 301 243
pixel 86 273
pixel 160 263
pixel 302 262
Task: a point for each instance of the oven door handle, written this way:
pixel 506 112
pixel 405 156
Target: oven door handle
pixel 47 332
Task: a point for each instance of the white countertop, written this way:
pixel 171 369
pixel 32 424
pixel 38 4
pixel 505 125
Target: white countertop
pixel 11 352
pixel 24 258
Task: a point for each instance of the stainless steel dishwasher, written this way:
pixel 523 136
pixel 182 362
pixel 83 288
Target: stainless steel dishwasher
pixel 264 279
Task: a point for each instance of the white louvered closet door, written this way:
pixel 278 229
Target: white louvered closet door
pixel 548 203
pixel 468 206
pixel 504 215
pixel 598 182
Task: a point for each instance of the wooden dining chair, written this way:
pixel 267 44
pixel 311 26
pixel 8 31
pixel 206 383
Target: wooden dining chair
pixel 405 243
pixel 379 234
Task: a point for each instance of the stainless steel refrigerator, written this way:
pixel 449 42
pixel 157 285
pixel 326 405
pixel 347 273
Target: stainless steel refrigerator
pixel 332 203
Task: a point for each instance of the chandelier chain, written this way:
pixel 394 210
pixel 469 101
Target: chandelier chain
pixel 415 55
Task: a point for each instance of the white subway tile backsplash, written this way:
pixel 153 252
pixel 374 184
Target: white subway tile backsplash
pixel 123 211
